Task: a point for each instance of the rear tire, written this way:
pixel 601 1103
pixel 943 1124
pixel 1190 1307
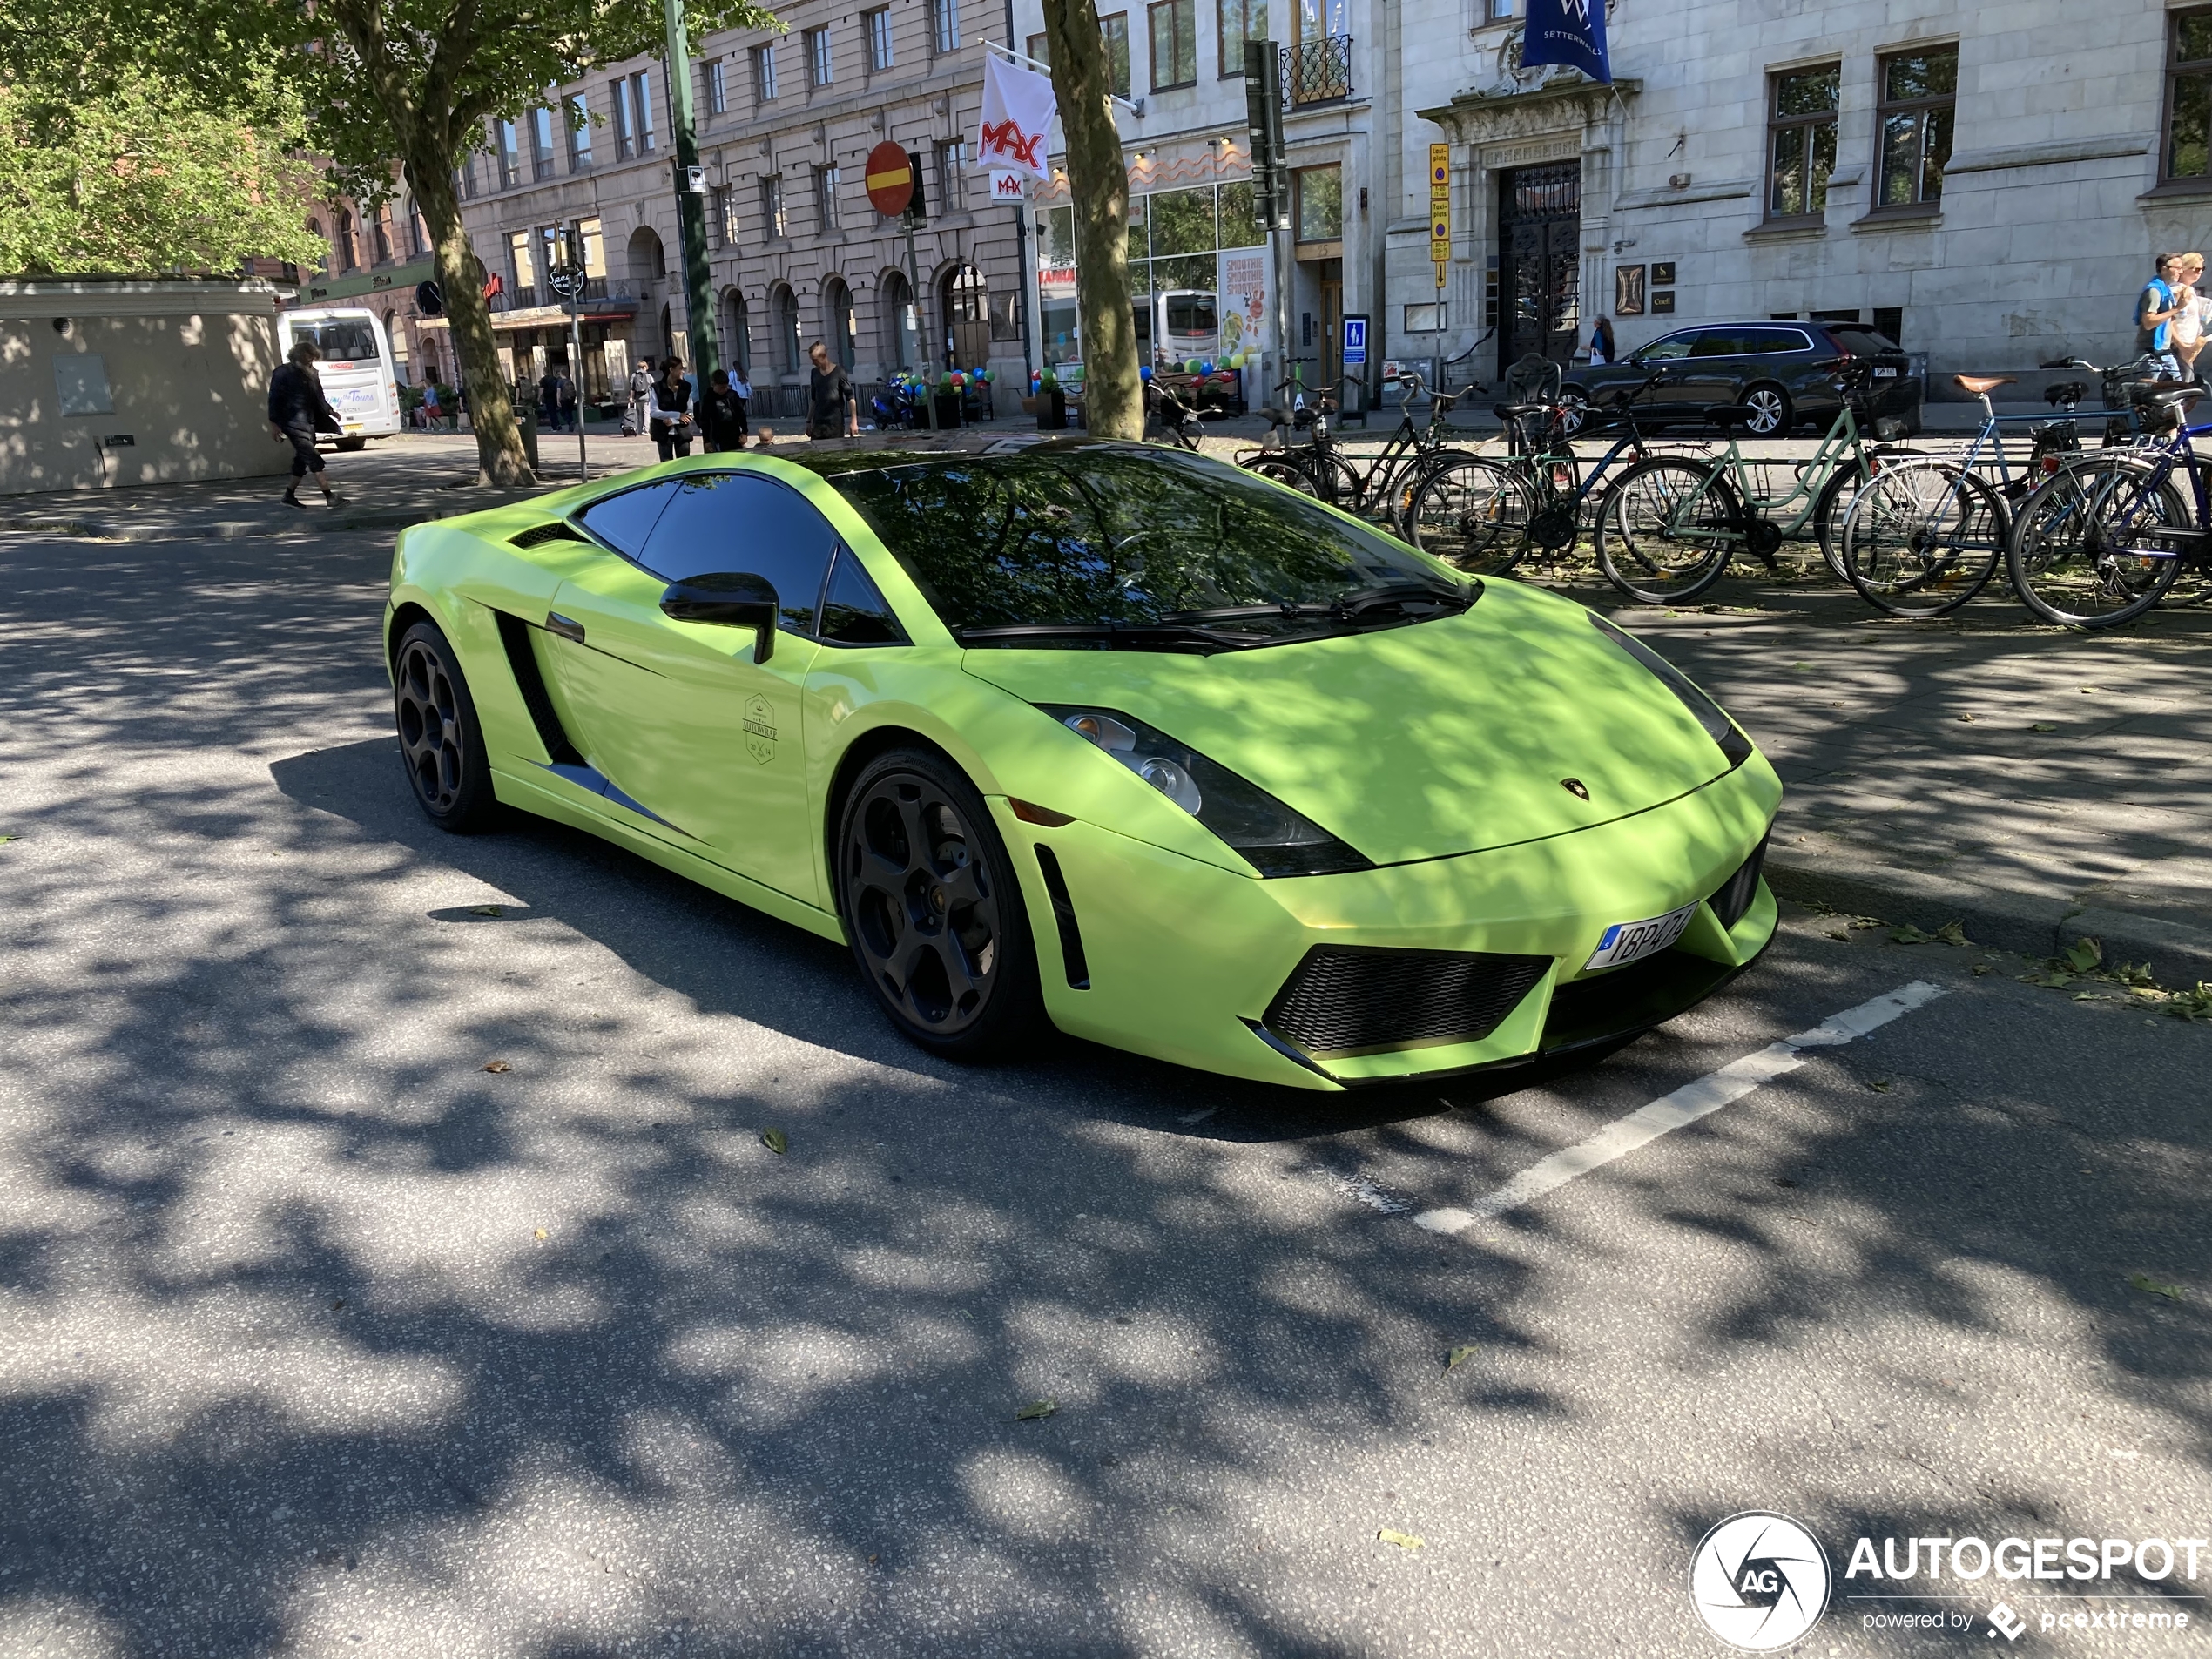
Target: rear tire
pixel 1472 513
pixel 2061 559
pixel 1772 415
pixel 1666 528
pixel 928 897
pixel 442 743
pixel 1922 539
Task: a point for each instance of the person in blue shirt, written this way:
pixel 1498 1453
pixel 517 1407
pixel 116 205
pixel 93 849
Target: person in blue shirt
pixel 2155 309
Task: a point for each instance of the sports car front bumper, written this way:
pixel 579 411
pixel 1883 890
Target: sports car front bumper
pixel 1456 963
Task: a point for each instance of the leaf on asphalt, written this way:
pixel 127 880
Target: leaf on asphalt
pixel 1980 968
pixel 2193 1004
pixel 1801 665
pixel 2042 726
pixel 485 910
pixel 498 1065
pixel 776 1141
pixel 10 838
pixel 1880 1085
pixel 539 1233
pixel 1465 1350
pixel 1403 1540
pixel 2087 997
pixel 1036 1409
pixel 2084 954
pixel 2054 979
pixel 2150 1286
pixel 1968 719
pixel 1953 932
pixel 1908 935
pixel 1839 933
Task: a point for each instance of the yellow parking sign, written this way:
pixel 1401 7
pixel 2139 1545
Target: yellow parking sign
pixel 1439 202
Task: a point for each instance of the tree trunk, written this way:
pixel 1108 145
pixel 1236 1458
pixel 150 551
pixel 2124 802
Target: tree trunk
pixel 1098 181
pixel 491 409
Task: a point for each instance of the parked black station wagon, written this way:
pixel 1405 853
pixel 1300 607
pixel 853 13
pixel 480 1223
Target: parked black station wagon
pixel 1786 373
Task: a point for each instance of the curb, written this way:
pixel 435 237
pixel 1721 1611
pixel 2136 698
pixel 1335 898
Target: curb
pixel 2178 954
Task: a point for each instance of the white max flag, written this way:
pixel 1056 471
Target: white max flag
pixel 1017 114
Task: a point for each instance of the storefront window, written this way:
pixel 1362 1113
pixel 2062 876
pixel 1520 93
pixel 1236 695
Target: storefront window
pixel 1175 240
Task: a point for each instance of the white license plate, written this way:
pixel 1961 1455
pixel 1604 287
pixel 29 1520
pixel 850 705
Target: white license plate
pixel 1884 373
pixel 1630 942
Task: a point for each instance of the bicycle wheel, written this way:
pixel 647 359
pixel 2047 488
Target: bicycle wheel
pixel 1923 537
pixel 1473 513
pixel 2086 552
pixel 1665 531
pixel 1398 489
pixel 1835 498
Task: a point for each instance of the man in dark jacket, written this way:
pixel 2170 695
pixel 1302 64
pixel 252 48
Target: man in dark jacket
pixel 297 411
pixel 722 422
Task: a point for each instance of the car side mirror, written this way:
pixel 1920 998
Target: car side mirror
pixel 730 599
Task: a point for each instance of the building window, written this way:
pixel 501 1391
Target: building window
pixel 1240 20
pixel 879 23
pixel 641 100
pixel 1041 52
pixel 1919 91
pixel 826 197
pixel 944 26
pixel 764 73
pixel 519 254
pixel 771 205
pixel 418 228
pixel 379 238
pixel 818 57
pixel 342 242
pixel 952 164
pixel 1175 43
pixel 725 203
pixel 2189 96
pixel 542 150
pixel 625 123
pixel 1115 31
pixel 717 89
pixel 464 177
pixel 1320 204
pixel 1800 141
pixel 579 133
pixel 510 161
pixel 1497 10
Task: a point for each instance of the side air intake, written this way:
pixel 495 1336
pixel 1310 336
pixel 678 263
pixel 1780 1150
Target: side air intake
pixel 538 534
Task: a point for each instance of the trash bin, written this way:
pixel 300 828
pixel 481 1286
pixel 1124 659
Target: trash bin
pixel 1052 409
pixel 948 410
pixel 526 419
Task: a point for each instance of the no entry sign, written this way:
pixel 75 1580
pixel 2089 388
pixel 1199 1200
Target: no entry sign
pixel 890 179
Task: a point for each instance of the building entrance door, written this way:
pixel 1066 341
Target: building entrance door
pixel 1540 222
pixel 1330 272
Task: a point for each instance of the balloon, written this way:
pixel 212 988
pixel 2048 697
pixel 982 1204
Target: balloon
pixel 1191 365
pixel 1207 368
pixel 1144 371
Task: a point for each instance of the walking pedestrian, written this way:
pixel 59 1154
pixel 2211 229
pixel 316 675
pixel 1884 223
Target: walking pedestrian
pixel 298 410
pixel 1602 347
pixel 721 415
pixel 2186 333
pixel 832 410
pixel 743 387
pixel 430 412
pixel 2155 309
pixel 635 419
pixel 565 404
pixel 672 411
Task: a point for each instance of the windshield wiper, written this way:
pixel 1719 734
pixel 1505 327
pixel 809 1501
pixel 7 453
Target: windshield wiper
pixel 1345 608
pixel 1119 636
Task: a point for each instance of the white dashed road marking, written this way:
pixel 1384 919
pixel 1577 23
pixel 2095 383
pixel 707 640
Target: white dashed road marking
pixel 1686 1105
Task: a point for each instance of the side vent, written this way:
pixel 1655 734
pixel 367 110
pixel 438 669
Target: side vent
pixel 514 634
pixel 1738 891
pixel 1063 912
pixel 559 531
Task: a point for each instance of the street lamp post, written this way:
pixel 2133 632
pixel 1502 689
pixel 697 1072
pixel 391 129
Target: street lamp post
pixel 691 212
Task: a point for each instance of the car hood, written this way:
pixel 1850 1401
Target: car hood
pixel 1416 742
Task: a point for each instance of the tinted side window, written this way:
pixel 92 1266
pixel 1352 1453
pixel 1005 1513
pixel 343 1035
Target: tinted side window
pixel 733 521
pixel 1721 342
pixel 1863 342
pixel 1768 340
pixel 1666 350
pixel 853 612
pixel 623 522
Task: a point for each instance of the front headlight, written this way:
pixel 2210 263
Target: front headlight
pixel 1273 840
pixel 1708 713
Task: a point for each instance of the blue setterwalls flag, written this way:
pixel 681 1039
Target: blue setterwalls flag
pixel 1568 31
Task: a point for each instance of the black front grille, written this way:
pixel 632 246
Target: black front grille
pixel 1360 999
pixel 1738 891
pixel 559 531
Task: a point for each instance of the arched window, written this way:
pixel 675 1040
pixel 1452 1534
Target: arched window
pixel 965 304
pixel 899 338
pixel 737 334
pixel 784 310
pixel 839 327
pixel 347 254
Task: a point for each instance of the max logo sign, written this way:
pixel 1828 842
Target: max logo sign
pixel 1007 141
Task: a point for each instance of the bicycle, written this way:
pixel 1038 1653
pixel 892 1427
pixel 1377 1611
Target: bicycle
pixel 1461 511
pixel 1670 525
pixel 1390 478
pixel 1923 536
pixel 2104 538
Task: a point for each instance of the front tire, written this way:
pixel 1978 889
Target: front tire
pixel 442 743
pixel 2070 556
pixel 1772 415
pixel 1923 538
pixel 1666 528
pixel 927 894
pixel 1472 512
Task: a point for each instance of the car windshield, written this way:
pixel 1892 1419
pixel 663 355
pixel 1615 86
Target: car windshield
pixel 1115 546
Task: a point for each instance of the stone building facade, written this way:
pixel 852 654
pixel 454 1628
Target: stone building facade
pixel 1987 184
pixel 796 253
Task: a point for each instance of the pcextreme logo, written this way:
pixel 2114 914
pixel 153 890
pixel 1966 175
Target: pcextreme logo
pixel 1759 1581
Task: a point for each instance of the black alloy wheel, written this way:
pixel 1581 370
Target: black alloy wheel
pixel 440 743
pixel 1771 414
pixel 927 895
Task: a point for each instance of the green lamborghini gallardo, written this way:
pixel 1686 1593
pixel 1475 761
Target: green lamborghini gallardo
pixel 1101 736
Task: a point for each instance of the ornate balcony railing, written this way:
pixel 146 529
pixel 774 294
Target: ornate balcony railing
pixel 1315 72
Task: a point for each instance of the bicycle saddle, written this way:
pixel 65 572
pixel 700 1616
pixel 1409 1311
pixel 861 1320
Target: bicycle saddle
pixel 2169 394
pixel 1975 385
pixel 1514 411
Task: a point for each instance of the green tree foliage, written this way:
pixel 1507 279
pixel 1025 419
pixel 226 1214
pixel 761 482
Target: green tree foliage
pixel 114 168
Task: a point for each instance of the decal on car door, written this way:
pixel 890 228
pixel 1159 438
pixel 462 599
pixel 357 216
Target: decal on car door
pixel 760 729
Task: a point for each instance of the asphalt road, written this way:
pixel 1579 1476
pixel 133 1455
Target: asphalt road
pixel 319 1337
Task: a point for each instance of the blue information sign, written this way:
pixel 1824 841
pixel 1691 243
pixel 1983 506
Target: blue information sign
pixel 1355 342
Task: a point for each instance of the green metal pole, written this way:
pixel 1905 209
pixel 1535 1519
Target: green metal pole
pixel 691 205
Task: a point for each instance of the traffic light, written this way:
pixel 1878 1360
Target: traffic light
pixel 1263 116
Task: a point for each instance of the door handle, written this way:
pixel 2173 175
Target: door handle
pixel 557 623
